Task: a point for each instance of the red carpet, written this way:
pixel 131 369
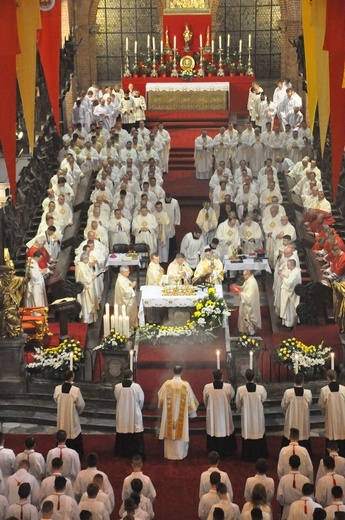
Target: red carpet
pixel 176 482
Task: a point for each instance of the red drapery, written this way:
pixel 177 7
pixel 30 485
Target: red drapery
pixel 197 23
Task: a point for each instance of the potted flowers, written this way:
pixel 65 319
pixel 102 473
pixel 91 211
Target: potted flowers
pixel 162 69
pixel 211 69
pixel 56 360
pixel 300 357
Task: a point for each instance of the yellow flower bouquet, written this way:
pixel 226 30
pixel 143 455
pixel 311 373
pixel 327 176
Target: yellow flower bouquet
pixel 58 358
pixel 248 342
pixel 308 356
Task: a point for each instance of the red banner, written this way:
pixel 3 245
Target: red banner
pixel 9 48
pixel 334 44
pixel 48 39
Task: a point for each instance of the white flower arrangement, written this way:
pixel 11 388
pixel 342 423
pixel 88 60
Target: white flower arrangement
pixel 309 356
pixel 58 358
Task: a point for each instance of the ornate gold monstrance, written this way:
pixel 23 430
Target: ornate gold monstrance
pixel 187 63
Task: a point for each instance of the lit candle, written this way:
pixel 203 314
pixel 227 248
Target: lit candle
pixel 251 354
pixel 212 46
pixel 112 321
pixel 174 42
pixel 296 363
pixel 220 41
pixel 161 46
pixel 71 360
pixel 249 40
pixel 218 359
pixel 240 46
pixel 105 325
pixel 332 360
pixel 228 42
pixel 131 352
pixel 135 47
pixel 153 43
pixel 148 40
pixel 126 43
pixel 200 39
pixel 120 325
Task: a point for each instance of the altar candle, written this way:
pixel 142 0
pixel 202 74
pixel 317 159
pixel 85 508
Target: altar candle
pixel 161 46
pixel 71 360
pixel 112 321
pixel 174 42
pixel 135 47
pixel 126 43
pixel 220 41
pixel 228 42
pixel 123 311
pixel 218 359
pixel 153 43
pixel 200 39
pixel 212 46
pixel 131 359
pixel 116 316
pixel 296 363
pixel 126 326
pixel 107 312
pixel 240 46
pixel 251 354
pixel 249 40
pixel 332 360
pixel 105 325
pixel 148 40
pixel 120 325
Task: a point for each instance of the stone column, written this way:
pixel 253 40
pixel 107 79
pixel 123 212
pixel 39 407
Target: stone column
pixel 12 374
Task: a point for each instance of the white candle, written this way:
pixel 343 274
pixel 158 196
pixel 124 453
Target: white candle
pixel 332 360
pixel 218 359
pixel 148 40
pixel 212 46
pixel 126 326
pixel 249 40
pixel 107 312
pixel 200 39
pixel 112 321
pixel 296 363
pixel 174 42
pixel 240 46
pixel 126 43
pixel 161 46
pixel 105 325
pixel 71 360
pixel 251 354
pixel 220 41
pixel 131 359
pixel 116 317
pixel 153 43
pixel 120 325
pixel 228 42
pixel 135 47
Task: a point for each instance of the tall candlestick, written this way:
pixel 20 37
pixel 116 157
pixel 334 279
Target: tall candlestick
pixel 218 359
pixel 228 41
pixel 240 46
pixel 148 40
pixel 212 46
pixel 332 360
pixel 153 43
pixel 161 46
pixel 126 43
pixel 71 360
pixel 174 42
pixel 220 41
pixel 200 39
pixel 296 363
pixel 249 40
pixel 131 352
pixel 251 354
pixel 135 47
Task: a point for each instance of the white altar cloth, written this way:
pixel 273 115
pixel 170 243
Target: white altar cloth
pixel 185 86
pixel 247 263
pixel 151 296
pixel 118 260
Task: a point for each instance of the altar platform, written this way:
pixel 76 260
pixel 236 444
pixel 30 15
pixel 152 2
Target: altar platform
pixel 237 88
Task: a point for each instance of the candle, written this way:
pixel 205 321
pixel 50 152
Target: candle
pixel 220 41
pixel 105 325
pixel 148 40
pixel 135 47
pixel 296 363
pixel 218 359
pixel 126 43
pixel 120 325
pixel 153 43
pixel 240 46
pixel 107 311
pixel 161 46
pixel 200 39
pixel 228 42
pixel 116 317
pixel 249 40
pixel 126 326
pixel 332 360
pixel 212 46
pixel 123 311
pixel 112 321
pixel 174 42
pixel 251 354
pixel 131 352
pixel 71 360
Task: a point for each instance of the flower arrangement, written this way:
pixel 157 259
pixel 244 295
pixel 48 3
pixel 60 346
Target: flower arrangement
pixel 187 75
pixel 308 356
pixel 211 68
pixel 207 316
pixel 113 341
pixel 248 342
pixel 58 358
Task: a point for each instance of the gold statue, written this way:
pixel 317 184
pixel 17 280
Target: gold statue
pixel 187 36
pixel 12 289
pixel 167 43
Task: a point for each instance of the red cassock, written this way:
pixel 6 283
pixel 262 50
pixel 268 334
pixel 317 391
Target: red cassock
pixel 43 263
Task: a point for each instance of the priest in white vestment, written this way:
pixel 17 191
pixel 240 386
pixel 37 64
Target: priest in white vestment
pixel 221 143
pixel 36 291
pixel 88 297
pixel 249 315
pixel 119 230
pixel 332 404
pixel 203 156
pixel 172 208
pixel 219 424
pixel 207 221
pixel 229 238
pixel 249 401
pixel 192 246
pixel 251 235
pixel 162 236
pixel 129 398
pixel 144 228
pixel 289 300
pixel 125 295
pixel 179 271
pixel 178 403
pixel 70 404
pixel 209 269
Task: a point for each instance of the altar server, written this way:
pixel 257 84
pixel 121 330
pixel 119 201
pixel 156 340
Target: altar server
pixel 290 486
pixel 192 246
pixel 127 109
pixel 203 156
pixel 7 458
pixel 86 476
pixel 90 503
pixel 64 506
pixel 71 461
pixel 20 477
pixel 22 508
pixel 332 404
pixel 219 424
pixel 178 402
pixel 172 208
pixel 125 295
pixel 221 143
pixel 47 486
pixel 306 466
pixel 36 460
